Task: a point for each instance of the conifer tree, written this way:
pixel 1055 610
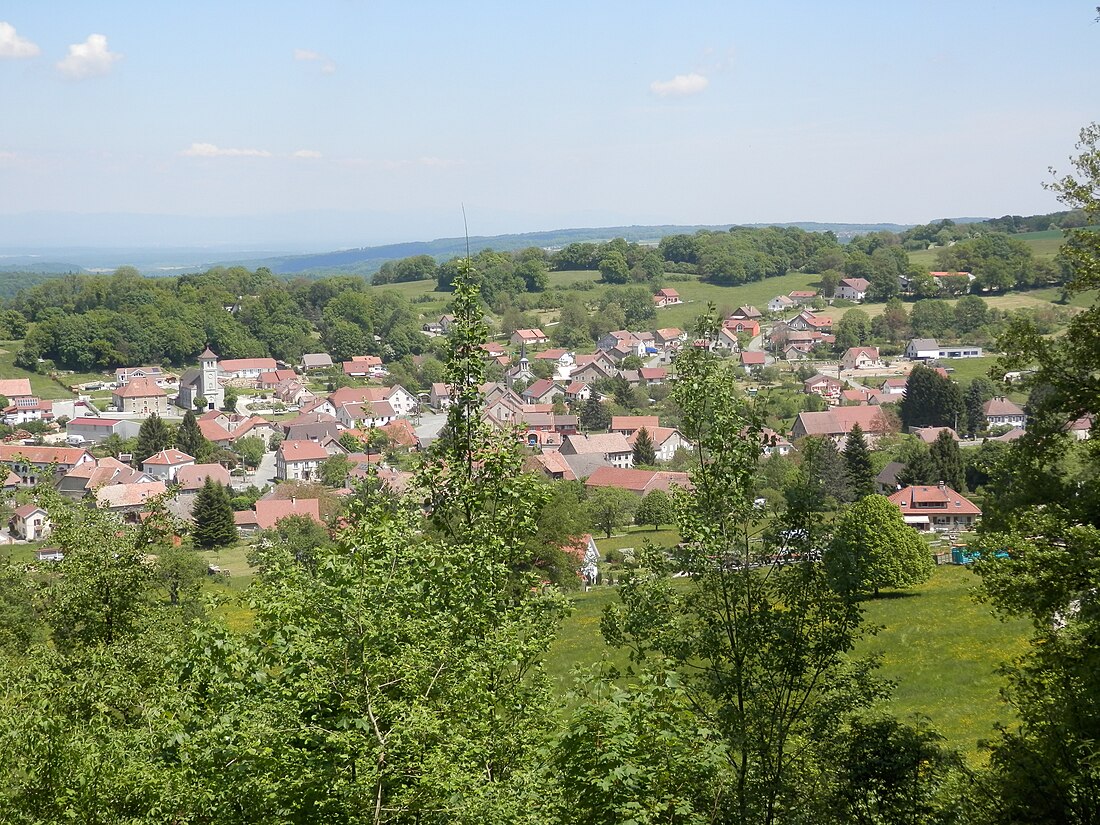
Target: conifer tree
pixel 945 456
pixel 857 461
pixel 152 438
pixel 644 454
pixel 213 517
pixel 189 437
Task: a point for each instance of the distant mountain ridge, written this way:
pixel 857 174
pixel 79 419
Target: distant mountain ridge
pixel 366 260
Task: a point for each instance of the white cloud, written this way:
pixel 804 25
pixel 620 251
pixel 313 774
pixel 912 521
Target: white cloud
pixel 680 86
pixel 328 65
pixel 88 59
pixel 14 46
pixel 309 154
pixel 7 155
pixel 209 150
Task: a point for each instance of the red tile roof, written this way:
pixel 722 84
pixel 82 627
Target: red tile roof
pixel 140 388
pixel 168 458
pixel 302 451
pixel 638 481
pixel 930 500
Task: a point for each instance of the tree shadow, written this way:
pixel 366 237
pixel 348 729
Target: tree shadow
pixel 888 595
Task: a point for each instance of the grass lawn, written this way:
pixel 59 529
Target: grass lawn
pixel 942 649
pixel 940 646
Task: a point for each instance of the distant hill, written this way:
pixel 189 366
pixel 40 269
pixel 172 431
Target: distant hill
pixel 367 260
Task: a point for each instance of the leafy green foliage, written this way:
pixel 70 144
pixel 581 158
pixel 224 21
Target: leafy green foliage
pixel 610 508
pixel 656 508
pixel 931 400
pixel 872 548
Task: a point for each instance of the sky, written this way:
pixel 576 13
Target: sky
pixel 355 123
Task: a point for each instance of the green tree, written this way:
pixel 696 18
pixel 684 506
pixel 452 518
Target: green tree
pixel 334 470
pixel 297 540
pixel 614 269
pixel 251 449
pixel 978 392
pixel 821 481
pixel 610 508
pixel 872 548
pixel 931 400
pixel 944 452
pixel 931 318
pixel 971 314
pixel 655 508
pixel 229 404
pixel 749 651
pixel 854 329
pixel 859 471
pixel 153 436
pixel 212 515
pixel 644 453
pixel 594 415
pixel 189 437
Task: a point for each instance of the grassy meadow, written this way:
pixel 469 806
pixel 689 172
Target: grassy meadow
pixel 940 647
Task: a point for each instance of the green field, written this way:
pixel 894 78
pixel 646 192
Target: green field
pixel 1044 245
pixel 43 385
pixel 938 645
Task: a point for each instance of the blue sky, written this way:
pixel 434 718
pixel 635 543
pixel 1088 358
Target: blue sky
pixel 541 115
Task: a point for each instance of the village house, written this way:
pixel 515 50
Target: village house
pixel 666 441
pixel 246 370
pixel 601 448
pixel 365 414
pixel 802 296
pixel 87 428
pixel 886 482
pixel 140 397
pixel 316 361
pixel 630 424
pixel 552 465
pixel 1000 412
pixel 669 337
pixel 636 480
pixel 666 297
pixel 823 385
pixel 166 464
pixel 270 380
pixel 809 321
pixel 747 311
pixel 440 396
pixel 269 512
pixel 361 366
pixel 753 360
pixel 315 427
pixel 577 391
pixel 529 337
pixel 128 498
pixel 403 402
pixel 30 523
pixel 893 386
pixel 852 289
pixel 936 508
pixel 160 377
pixel 33 463
pixel 542 391
pixel 860 358
pixel 928 349
pixel 780 303
pixel 773 442
pixel 929 434
pixel 562 359
pixel 837 422
pixel 653 376
pixel 726 341
pixel 299 460
pixel 745 326
pixel 88 477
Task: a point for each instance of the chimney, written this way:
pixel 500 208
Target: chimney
pixel 943 485
pixel 294 499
